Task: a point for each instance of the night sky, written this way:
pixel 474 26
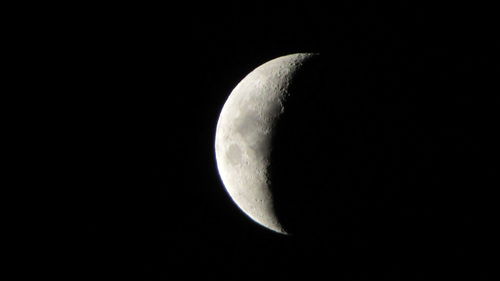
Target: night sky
pixel 406 151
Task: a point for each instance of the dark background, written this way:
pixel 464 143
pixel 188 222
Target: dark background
pixel 398 185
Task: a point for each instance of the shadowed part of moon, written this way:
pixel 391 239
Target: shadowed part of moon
pixel 392 171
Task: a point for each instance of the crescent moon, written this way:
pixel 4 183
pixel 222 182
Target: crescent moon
pixel 244 135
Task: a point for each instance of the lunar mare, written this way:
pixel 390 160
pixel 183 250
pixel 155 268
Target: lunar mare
pixel 244 135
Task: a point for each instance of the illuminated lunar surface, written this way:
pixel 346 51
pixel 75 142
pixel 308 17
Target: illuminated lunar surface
pixel 243 140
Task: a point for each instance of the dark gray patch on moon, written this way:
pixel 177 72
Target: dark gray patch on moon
pixel 234 154
pixel 250 127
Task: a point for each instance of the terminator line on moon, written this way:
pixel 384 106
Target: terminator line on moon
pixel 244 133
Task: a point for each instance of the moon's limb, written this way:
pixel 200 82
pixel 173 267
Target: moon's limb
pixel 244 133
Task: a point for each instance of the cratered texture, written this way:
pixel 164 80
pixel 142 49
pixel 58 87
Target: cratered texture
pixel 243 140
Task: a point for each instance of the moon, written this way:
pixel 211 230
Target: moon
pixel 243 139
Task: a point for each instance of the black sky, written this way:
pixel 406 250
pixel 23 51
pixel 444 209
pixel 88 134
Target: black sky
pixel 411 98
